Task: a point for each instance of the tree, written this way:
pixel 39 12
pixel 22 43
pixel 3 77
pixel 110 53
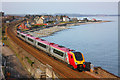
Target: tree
pixel 27 16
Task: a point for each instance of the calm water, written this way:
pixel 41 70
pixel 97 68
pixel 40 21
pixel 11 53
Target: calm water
pixel 98 42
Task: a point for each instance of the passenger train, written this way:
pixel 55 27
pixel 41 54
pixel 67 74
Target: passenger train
pixel 71 57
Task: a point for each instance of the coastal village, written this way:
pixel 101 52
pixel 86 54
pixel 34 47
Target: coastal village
pixel 44 21
pixel 17 62
pixel 44 25
pixel 59 40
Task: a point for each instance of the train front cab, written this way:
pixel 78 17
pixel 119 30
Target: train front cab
pixel 76 59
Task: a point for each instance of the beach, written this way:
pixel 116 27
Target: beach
pixel 51 30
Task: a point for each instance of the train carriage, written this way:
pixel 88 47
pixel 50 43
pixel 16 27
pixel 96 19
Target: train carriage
pixel 30 39
pixel 58 52
pixel 22 35
pixel 71 57
pixel 42 44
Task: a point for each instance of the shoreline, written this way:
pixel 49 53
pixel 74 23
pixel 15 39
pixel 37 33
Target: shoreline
pixel 52 30
pixel 99 71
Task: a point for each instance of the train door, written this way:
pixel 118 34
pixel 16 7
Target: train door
pixel 35 42
pixel 51 50
pixel 65 57
pixel 48 49
pixel 71 60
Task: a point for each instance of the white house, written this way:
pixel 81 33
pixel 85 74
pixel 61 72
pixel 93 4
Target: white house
pixel 40 20
pixel 66 19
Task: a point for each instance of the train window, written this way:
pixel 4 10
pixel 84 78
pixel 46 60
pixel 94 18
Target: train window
pixel 23 36
pixel 78 56
pixel 30 39
pixel 42 45
pixel 17 33
pixel 71 57
pixel 58 52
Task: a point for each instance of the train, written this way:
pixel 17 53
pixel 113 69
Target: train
pixel 74 59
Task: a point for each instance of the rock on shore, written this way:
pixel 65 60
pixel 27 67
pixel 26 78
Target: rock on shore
pixel 47 31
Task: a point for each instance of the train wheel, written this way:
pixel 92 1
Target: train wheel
pixel 80 68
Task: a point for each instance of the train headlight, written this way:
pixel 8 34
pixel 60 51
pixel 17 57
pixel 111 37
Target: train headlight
pixel 76 63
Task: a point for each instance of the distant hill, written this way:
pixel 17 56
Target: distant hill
pixel 81 15
pixel 70 15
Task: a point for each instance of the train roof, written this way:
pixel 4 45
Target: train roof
pixel 23 33
pixel 59 47
pixel 42 41
pixel 30 36
pixel 62 48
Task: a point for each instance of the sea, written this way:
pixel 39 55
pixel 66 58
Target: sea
pixel 97 41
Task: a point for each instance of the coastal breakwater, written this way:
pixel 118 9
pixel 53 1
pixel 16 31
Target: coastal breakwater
pixel 51 30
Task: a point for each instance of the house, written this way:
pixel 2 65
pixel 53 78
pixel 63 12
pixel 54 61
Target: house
pixel 25 26
pixel 7 21
pixel 22 26
pixel 28 25
pixel 85 19
pixel 33 22
pixel 74 19
pixel 1 14
pixel 36 18
pixel 93 20
pixel 57 18
pixel 66 19
pixel 40 20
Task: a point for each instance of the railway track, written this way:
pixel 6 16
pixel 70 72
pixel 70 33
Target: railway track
pixel 58 67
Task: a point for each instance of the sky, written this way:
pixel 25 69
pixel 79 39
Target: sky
pixel 60 0
pixel 60 7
